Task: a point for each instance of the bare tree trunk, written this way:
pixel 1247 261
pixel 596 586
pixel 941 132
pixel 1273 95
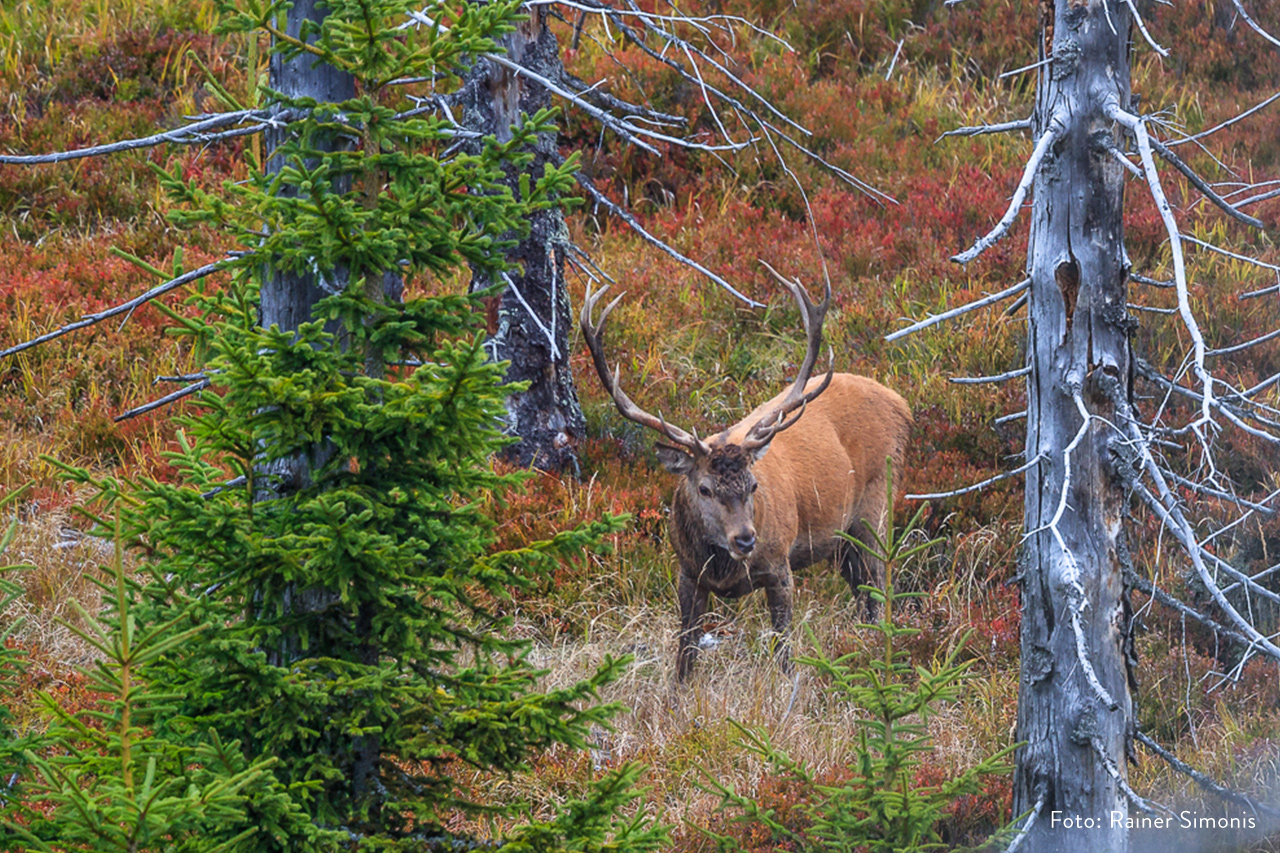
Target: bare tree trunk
pixel 529 322
pixel 1075 707
pixel 287 301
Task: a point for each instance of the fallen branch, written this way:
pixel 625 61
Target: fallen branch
pixel 602 200
pixel 1206 782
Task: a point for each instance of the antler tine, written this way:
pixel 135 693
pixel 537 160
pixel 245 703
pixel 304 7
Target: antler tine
pixel 593 332
pixel 812 317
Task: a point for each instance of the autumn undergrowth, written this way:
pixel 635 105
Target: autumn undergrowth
pixel 77 73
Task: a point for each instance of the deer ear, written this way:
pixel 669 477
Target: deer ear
pixel 674 459
pixel 757 453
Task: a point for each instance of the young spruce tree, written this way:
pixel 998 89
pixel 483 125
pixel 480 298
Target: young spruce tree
pixel 349 646
pixel 879 807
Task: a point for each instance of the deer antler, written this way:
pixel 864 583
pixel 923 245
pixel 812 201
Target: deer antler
pixel 593 332
pixel 763 431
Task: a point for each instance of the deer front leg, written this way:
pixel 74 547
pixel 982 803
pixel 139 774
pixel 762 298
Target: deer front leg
pixel 778 595
pixel 693 604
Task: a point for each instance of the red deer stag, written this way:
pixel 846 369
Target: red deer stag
pixel 770 493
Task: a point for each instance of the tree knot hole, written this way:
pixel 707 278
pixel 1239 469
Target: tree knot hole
pixel 1067 276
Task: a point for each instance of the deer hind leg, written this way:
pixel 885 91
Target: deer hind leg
pixel 859 568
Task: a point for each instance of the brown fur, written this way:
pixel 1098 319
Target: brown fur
pixel 824 475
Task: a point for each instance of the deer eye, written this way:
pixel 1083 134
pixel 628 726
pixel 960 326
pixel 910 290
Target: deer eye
pixel 704 491
pixel 754 486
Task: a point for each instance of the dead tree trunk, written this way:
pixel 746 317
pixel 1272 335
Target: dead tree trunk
pixel 287 301
pixel 1075 708
pixel 529 321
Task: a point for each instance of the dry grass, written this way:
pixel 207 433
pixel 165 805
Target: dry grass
pixel 682 733
pixel 61 565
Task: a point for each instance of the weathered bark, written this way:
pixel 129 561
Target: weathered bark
pixel 287 301
pixel 529 322
pixel 1078 731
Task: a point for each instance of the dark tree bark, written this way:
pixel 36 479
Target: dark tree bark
pixel 529 320
pixel 287 301
pixel 1075 706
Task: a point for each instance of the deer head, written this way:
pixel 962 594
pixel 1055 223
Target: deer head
pixel 719 482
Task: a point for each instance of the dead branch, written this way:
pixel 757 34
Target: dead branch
pixel 163 401
pixel 122 308
pixel 1150 282
pixel 1076 596
pixel 1224 125
pixel 1131 795
pixel 1137 126
pixel 1199 183
pixel 1018 304
pixel 1145 586
pixel 614 16
pixel 1032 67
pixel 1266 291
pixel 963 309
pixel 1233 255
pixel 982 129
pixel 1261 386
pixel 623 128
pixel 1146 371
pixel 613 102
pixel 1035 812
pixel 1257 576
pixel 1254 24
pixel 976 486
pixel 603 201
pixel 1133 10
pixel 1201 488
pixel 234 482
pixel 999 377
pixel 1053 128
pixel 1213 787
pixel 1150 309
pixel 1166 509
pixel 1261 339
pixel 190 135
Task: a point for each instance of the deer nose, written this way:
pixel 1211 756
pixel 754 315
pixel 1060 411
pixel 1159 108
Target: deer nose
pixel 745 542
